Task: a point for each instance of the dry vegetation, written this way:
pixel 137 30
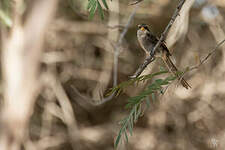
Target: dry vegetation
pixel 57 67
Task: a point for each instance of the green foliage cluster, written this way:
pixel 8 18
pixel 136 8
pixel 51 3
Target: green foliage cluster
pixel 94 5
pixel 135 103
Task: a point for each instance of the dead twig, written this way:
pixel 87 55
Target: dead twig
pixel 206 57
pixel 115 68
pixel 116 53
pixel 201 62
pixel 150 58
pixel 135 2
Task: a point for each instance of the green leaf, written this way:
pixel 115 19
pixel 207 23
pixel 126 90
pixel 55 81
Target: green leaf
pixel 121 122
pixel 159 73
pixel 105 4
pixel 93 9
pixel 90 4
pixel 131 122
pixel 130 128
pixel 179 73
pixel 135 99
pixel 135 113
pixel 126 136
pixel 159 81
pixel 145 93
pixel 165 82
pixel 118 138
pixel 154 74
pixel 128 105
pixel 170 78
pixel 139 111
pixel 119 88
pixel 100 11
pixel 154 87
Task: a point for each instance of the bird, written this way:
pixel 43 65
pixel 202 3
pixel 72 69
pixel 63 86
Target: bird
pixel 148 40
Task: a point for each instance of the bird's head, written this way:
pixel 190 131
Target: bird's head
pixel 143 27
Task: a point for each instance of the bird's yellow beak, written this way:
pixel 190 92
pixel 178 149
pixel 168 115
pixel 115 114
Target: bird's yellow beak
pixel 142 29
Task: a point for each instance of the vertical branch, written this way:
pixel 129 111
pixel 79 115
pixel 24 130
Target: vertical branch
pixel 115 65
pixel 107 65
pixel 20 67
pixel 117 52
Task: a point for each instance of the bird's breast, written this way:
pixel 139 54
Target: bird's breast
pixel 145 43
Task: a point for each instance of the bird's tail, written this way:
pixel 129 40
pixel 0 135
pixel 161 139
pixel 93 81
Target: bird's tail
pixel 173 69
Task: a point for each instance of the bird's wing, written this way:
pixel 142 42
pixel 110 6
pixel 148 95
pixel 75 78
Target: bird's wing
pixel 155 39
pixel 152 38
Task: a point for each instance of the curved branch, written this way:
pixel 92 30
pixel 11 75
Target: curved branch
pixel 115 68
pixel 207 56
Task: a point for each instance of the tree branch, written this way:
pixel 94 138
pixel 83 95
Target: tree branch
pixel 135 2
pixel 115 66
pixel 201 61
pixel 206 57
pixel 150 58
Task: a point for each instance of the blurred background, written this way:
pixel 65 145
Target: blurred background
pixel 57 67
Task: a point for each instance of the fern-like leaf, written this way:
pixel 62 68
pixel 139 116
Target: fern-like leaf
pixel 94 5
pixel 135 103
pixel 100 11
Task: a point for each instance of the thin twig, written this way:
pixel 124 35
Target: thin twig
pixel 115 68
pixel 116 53
pixel 201 62
pixel 206 57
pixel 150 58
pixel 135 2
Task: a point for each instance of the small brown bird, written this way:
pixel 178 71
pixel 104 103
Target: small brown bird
pixel 148 40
